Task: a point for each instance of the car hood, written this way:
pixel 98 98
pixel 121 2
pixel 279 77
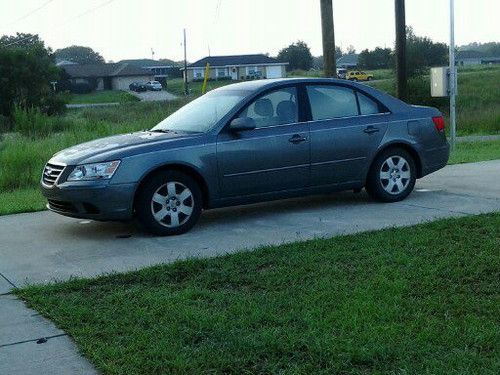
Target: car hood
pixel 119 146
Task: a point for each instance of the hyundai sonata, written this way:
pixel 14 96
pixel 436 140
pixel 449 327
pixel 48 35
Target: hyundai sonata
pixel 249 142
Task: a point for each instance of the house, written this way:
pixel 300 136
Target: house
pixel 116 76
pixel 348 61
pixel 161 69
pixel 237 67
pixel 471 57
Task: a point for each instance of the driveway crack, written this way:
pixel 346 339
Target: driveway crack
pixel 6 279
pixel 39 340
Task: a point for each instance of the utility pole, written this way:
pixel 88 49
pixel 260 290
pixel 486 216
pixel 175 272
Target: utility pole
pixel 453 75
pixel 186 91
pixel 401 79
pixel 328 34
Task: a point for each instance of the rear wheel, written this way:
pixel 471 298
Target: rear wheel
pixel 169 203
pixel 392 176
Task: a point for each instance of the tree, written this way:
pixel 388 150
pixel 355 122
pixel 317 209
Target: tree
pixel 298 55
pixel 350 50
pixel 422 53
pixel 80 55
pixel 26 71
pixel 379 58
pixel 317 62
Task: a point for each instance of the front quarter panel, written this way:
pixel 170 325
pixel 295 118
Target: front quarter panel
pixel 199 157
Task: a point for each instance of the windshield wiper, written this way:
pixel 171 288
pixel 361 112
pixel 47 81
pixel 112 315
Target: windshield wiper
pixel 161 131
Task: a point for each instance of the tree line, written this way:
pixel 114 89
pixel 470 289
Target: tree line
pixel 422 53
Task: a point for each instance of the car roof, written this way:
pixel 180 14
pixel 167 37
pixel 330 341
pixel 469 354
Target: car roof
pixel 271 82
pixel 394 105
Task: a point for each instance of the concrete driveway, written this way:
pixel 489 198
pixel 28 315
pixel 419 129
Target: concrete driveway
pixel 41 247
pixel 153 96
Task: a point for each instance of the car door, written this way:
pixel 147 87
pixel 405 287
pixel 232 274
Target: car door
pixel 272 157
pixel 346 128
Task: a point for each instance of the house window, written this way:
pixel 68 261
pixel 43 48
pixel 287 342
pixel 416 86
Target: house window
pixel 252 70
pixel 221 72
pixel 198 73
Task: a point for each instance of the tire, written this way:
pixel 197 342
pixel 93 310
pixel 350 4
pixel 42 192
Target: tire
pixel 369 78
pixel 392 175
pixel 355 79
pixel 169 203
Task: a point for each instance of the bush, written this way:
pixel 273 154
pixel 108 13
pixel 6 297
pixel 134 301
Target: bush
pixel 80 88
pixel 33 123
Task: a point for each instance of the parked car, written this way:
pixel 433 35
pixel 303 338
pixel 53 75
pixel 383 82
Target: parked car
pixel 341 73
pixel 357 75
pixel 137 87
pixel 249 142
pixel 154 86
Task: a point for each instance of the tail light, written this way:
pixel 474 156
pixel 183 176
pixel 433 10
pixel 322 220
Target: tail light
pixel 438 123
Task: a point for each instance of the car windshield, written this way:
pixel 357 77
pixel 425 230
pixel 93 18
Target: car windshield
pixel 201 114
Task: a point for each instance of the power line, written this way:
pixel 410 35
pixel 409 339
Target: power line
pixel 91 10
pixel 30 12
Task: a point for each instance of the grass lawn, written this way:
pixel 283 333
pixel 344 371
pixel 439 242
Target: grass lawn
pixel 416 300
pixel 469 152
pixel 105 96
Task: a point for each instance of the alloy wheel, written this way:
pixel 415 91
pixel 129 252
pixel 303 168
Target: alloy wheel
pixel 172 204
pixel 395 175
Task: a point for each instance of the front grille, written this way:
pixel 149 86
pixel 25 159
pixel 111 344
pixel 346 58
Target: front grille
pixel 51 173
pixel 61 206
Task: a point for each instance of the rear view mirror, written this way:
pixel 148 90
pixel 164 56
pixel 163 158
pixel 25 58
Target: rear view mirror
pixel 242 123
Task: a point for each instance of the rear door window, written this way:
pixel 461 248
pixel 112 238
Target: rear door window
pixel 329 102
pixel 368 106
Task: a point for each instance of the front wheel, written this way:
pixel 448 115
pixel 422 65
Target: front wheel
pixel 392 176
pixel 169 203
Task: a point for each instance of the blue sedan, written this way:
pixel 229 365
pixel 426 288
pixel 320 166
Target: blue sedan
pixel 250 142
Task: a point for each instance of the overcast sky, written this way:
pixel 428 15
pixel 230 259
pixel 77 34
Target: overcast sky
pixel 123 29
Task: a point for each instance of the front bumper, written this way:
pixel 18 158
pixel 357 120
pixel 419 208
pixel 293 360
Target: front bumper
pixel 91 200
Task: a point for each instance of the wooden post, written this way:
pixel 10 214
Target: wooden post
pixel 186 90
pixel 207 74
pixel 328 34
pixel 401 76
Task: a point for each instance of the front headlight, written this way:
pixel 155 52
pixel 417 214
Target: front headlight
pixel 95 171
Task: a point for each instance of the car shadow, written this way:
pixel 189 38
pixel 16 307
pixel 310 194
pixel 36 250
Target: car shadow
pixel 210 219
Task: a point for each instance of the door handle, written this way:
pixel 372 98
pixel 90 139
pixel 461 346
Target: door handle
pixel 371 129
pixel 296 139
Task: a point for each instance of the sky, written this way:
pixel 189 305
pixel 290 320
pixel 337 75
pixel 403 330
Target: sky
pixel 126 29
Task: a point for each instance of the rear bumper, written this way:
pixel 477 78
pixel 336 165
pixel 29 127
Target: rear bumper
pixel 91 201
pixel 435 159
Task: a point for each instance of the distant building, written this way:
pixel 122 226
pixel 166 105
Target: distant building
pixel 117 76
pixel 471 57
pixel 237 67
pixel 348 61
pixel 161 70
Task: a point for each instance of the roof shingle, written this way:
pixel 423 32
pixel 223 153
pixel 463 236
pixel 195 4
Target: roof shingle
pixel 104 70
pixel 215 61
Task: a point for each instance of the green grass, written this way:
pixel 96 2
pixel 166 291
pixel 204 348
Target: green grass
pixel 417 300
pixel 21 200
pixel 469 152
pixel 105 96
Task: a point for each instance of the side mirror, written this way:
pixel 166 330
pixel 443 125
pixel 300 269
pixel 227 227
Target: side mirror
pixel 242 123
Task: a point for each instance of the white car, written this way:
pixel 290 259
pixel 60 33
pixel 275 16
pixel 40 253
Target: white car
pixel 154 86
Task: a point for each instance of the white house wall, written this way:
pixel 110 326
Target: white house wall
pixel 122 83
